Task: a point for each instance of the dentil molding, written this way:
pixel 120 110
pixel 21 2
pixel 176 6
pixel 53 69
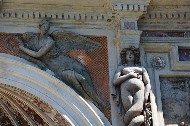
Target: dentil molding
pixel 165 17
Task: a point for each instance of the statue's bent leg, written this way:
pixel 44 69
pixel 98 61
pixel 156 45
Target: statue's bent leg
pixel 137 107
pixel 69 78
pixel 127 98
pixel 137 121
pixel 90 91
pixel 79 83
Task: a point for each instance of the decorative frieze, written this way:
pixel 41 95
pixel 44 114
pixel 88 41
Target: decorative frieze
pixel 165 34
pixel 129 12
pixel 53 15
pixel 168 15
pixel 165 17
pixel 129 7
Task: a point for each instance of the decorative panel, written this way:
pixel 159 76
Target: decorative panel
pixel 175 92
pixel 184 54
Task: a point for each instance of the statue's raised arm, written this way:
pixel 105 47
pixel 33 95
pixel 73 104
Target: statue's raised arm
pixel 44 43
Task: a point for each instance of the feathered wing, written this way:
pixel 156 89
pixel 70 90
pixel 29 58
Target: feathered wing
pixel 66 41
pixel 80 69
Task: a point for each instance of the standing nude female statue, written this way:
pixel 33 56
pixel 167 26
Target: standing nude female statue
pixel 134 84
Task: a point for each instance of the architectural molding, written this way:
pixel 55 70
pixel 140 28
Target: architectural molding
pixel 95 3
pixel 165 39
pixel 128 12
pixel 21 14
pixel 104 13
pixel 31 18
pixel 173 68
pixel 165 17
pixel 170 46
pixel 130 9
pixel 95 14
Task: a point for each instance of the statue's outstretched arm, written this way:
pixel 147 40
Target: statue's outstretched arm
pixel 146 80
pixel 39 53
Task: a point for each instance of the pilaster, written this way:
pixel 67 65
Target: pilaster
pixel 129 12
pixel 127 34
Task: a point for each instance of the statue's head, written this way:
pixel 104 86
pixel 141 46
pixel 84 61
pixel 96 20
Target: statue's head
pixel 130 54
pixel 44 26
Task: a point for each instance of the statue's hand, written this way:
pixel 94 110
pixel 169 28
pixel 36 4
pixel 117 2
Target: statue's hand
pixel 21 44
pixel 133 74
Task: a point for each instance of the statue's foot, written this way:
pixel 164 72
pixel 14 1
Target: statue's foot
pixel 126 119
pixel 137 121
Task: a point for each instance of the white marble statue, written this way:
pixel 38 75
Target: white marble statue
pixel 134 86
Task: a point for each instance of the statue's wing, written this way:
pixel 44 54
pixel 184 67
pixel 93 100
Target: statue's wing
pixel 66 41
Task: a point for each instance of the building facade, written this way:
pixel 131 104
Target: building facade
pixel 33 91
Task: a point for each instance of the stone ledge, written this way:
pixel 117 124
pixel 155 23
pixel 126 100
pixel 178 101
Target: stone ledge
pixel 165 17
pixel 53 15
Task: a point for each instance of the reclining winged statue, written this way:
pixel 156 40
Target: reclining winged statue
pixel 48 52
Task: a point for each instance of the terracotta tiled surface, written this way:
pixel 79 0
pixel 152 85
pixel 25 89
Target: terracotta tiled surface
pixel 4 49
pixel 96 62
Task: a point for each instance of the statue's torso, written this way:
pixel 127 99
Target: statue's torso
pixel 133 84
pixel 54 59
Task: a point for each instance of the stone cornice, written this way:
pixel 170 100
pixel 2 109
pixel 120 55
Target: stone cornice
pixel 22 17
pixel 53 3
pixel 105 15
pixel 28 14
pixel 55 7
pixel 166 17
pixel 129 8
pixel 21 14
